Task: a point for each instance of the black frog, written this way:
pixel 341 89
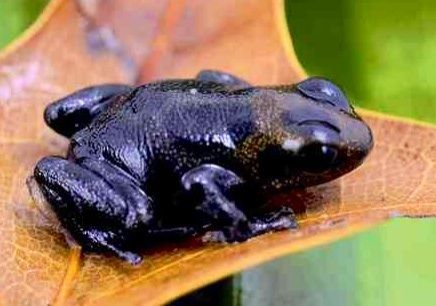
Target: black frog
pixel 174 158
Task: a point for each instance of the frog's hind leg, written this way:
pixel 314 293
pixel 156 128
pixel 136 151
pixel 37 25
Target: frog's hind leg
pixel 71 113
pixel 226 79
pixel 103 209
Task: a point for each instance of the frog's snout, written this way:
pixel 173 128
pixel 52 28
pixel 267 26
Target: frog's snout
pixel 358 140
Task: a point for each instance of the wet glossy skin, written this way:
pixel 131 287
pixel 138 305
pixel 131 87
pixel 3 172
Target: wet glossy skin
pixel 181 157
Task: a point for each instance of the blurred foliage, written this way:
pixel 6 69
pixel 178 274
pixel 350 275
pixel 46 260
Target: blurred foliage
pixel 16 15
pixel 383 53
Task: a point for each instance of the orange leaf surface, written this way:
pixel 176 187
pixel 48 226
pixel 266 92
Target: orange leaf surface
pixel 75 44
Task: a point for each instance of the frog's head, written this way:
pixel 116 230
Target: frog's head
pixel 319 136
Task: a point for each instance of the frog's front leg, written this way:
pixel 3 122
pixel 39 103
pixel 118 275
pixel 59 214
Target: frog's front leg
pixel 211 187
pixel 226 79
pixel 207 186
pixel 71 113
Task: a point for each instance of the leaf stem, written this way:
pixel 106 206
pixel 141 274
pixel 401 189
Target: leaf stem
pixel 70 275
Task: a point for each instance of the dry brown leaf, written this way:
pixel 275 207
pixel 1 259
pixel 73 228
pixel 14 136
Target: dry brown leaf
pixel 75 44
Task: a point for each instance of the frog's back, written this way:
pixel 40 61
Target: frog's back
pixel 175 117
pixel 192 109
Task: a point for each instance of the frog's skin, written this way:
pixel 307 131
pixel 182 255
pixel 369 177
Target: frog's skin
pixel 175 158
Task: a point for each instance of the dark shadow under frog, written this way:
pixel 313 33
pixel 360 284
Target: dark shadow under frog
pixel 175 158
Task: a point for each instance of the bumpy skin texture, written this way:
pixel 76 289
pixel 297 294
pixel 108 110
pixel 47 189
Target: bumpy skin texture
pixel 180 157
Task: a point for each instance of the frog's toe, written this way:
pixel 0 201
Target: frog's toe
pixel 214 236
pixel 281 219
pixel 230 234
pixel 108 241
pixel 277 220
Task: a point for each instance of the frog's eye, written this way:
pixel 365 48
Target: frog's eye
pixel 317 158
pixel 322 90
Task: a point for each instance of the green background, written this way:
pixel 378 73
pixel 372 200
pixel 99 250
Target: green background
pixel 383 53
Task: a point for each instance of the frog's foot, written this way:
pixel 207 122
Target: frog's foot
pixel 281 219
pixel 277 220
pixel 229 234
pixel 107 241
